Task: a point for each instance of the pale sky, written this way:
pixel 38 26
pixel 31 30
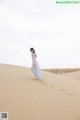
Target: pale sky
pixel 52 29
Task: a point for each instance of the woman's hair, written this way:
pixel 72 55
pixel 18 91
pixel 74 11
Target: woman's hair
pixel 32 49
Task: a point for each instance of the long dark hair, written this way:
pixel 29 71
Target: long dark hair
pixel 32 49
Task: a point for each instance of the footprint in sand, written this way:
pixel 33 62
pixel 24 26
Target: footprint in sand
pixel 71 94
pixel 47 84
pixel 61 89
pixel 51 86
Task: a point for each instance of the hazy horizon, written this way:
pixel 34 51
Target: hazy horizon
pixel 53 30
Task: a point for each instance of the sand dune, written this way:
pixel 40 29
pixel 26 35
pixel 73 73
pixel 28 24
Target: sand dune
pixel 62 70
pixel 54 97
pixel 72 75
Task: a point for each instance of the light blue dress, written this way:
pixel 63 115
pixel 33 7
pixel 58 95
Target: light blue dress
pixel 35 67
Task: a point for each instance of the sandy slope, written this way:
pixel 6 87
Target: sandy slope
pixel 53 98
pixel 72 75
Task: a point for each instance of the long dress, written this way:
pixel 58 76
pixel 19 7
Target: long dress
pixel 35 67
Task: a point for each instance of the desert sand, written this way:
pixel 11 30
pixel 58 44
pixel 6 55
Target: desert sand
pixel 73 75
pixel 62 70
pixel 55 97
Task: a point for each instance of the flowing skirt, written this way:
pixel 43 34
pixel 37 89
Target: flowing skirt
pixel 36 69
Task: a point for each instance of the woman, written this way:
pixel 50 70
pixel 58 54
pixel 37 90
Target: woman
pixel 35 67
